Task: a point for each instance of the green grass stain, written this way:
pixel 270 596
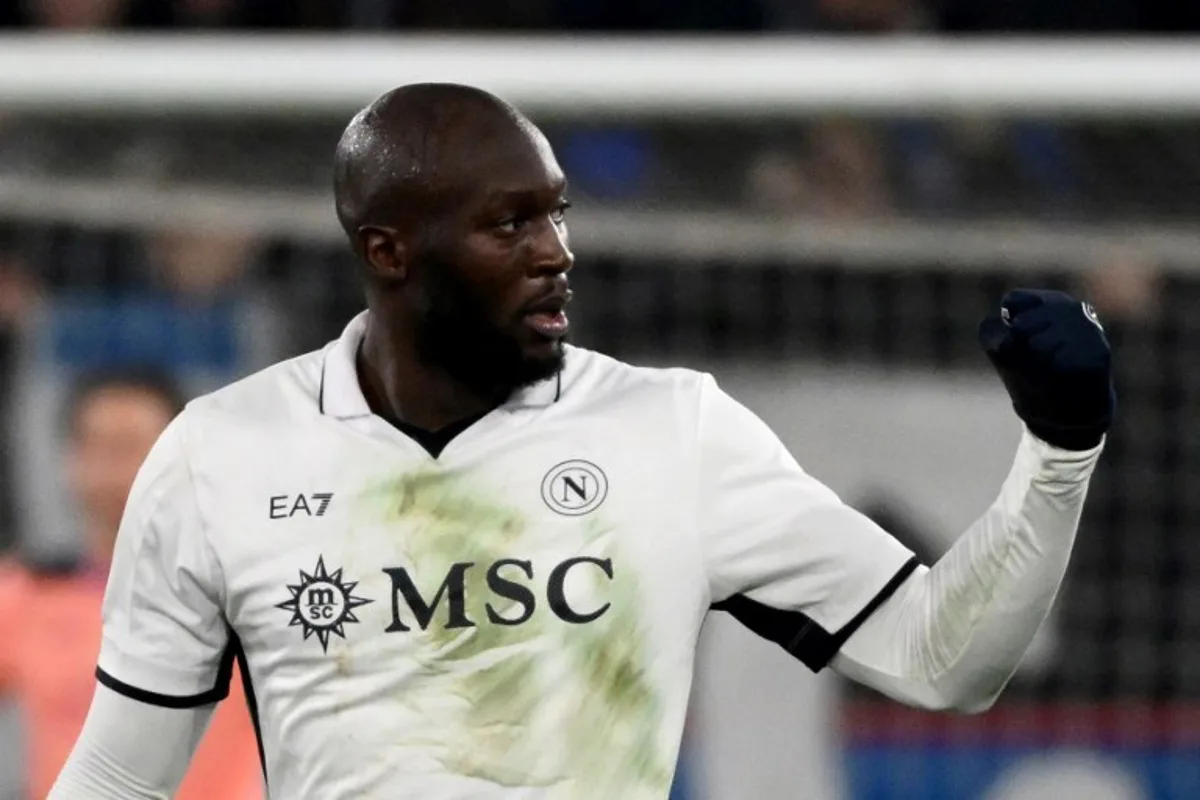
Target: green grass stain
pixel 541 704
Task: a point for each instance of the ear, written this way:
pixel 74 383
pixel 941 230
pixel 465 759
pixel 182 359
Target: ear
pixel 385 252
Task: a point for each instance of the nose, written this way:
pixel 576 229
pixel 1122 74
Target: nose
pixel 551 249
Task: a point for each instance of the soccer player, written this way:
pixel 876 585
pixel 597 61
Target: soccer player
pixel 458 558
pixel 50 614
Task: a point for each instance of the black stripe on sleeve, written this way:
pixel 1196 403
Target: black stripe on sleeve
pixel 243 665
pixel 797 633
pixel 216 694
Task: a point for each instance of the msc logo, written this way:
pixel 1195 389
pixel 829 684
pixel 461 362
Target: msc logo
pixel 322 604
pixel 574 488
pixel 406 599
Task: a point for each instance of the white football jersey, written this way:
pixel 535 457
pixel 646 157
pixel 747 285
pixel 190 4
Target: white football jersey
pixel 515 618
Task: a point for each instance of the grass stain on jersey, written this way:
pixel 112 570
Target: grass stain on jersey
pixel 619 713
pixel 545 703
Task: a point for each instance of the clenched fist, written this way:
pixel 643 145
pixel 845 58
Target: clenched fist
pixel 1055 361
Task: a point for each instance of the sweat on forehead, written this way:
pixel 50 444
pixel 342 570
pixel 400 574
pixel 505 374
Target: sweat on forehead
pixel 394 151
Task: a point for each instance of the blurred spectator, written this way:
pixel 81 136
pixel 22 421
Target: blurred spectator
pixel 869 16
pixel 462 14
pixel 839 174
pixel 183 298
pixel 846 16
pixel 776 182
pixel 981 165
pixel 661 15
pixel 1125 287
pixel 928 171
pixel 73 14
pixel 200 265
pixel 18 293
pixel 608 163
pixel 845 162
pixel 246 14
pixel 212 304
pixel 18 296
pixel 233 14
pixel 177 299
pixel 50 613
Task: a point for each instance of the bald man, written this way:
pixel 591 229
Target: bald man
pixel 455 557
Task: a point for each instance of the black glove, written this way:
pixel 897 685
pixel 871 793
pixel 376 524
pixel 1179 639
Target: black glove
pixel 1055 362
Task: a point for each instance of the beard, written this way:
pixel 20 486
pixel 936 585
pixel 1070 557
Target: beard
pixel 456 331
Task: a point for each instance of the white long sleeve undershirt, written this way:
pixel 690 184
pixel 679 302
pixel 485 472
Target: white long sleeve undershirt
pixel 129 750
pixel 952 635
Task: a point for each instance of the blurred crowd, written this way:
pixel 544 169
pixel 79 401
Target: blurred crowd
pixel 965 166
pixel 875 16
pixel 969 166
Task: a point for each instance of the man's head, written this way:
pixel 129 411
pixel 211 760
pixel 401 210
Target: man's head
pixel 113 420
pixel 453 202
pixel 198 263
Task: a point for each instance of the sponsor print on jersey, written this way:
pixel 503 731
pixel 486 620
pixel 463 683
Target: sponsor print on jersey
pixel 529 632
pixel 322 604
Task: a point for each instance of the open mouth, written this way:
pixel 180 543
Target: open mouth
pixel 548 317
pixel 552 325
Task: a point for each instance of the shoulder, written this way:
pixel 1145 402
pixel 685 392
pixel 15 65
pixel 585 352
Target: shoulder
pixel 589 373
pixel 239 418
pixel 643 403
pixel 289 388
pixel 687 401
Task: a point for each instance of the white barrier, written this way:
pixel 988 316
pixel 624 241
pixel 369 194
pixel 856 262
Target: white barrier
pixel 594 76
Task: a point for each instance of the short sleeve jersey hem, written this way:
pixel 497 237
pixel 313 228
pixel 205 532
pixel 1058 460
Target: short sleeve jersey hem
pixel 785 556
pixel 162 608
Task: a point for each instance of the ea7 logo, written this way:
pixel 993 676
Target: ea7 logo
pixel 284 506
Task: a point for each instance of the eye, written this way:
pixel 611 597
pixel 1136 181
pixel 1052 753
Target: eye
pixel 509 227
pixel 559 214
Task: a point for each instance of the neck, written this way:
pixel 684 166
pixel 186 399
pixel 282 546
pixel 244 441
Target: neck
pixel 401 387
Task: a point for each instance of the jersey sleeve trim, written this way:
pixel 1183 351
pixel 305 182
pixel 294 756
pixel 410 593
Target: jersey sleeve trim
pixel 214 695
pixel 797 633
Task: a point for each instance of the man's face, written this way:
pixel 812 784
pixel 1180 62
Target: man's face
pixel 112 433
pixel 490 281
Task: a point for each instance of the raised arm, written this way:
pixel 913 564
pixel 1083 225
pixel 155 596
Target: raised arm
pixel 953 635
pixel 950 637
pixel 798 567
